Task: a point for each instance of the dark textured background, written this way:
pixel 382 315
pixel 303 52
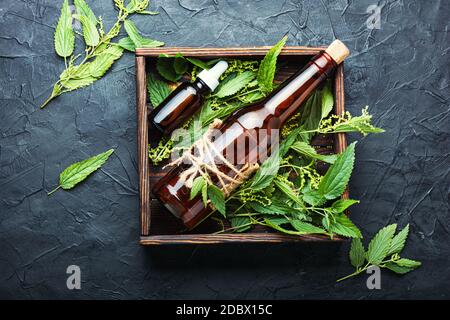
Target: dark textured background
pixel 401 71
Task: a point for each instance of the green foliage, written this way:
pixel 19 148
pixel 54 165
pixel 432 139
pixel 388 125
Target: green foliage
pixel 100 52
pixel 268 66
pixel 383 251
pixel 234 83
pixel 79 171
pixel 158 90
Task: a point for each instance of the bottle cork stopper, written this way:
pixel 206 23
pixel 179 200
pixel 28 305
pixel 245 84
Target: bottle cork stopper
pixel 338 51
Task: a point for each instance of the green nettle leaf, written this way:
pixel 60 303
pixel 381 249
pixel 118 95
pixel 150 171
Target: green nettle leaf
pixel 64 36
pixel 308 151
pixel 313 197
pixel 84 10
pixel 380 244
pixel 342 204
pixel 267 172
pixel 198 63
pixel 275 223
pixel 158 90
pixel 273 209
pixel 90 33
pixel 180 65
pixel 327 100
pixel 306 228
pixel 127 44
pixel 104 61
pixel 138 40
pixel 343 226
pixel 73 84
pixel 79 171
pixel 336 179
pixel 287 190
pixel 241 224
pixel 398 242
pixel 197 187
pixel 398 269
pixel 357 253
pixel 166 69
pixel 266 71
pixel 217 198
pixel 408 263
pixel 233 83
pixel 205 194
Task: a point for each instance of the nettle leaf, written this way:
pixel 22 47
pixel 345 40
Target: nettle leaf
pixel 64 36
pixel 272 209
pixel 217 198
pixel 267 172
pixel 198 63
pixel 306 228
pixel 127 44
pixel 313 197
pixel 380 244
pixel 79 171
pixel 398 242
pixel 342 204
pixel 83 9
pixel 308 151
pixel 398 269
pixel 166 69
pixel 90 33
pixel 197 187
pixel 408 263
pixel 357 253
pixel 333 184
pixel 180 65
pixel 205 194
pixel 266 71
pixel 233 83
pixel 104 60
pixel 342 225
pixel 327 100
pixel 73 84
pixel 287 190
pixel 158 90
pixel 241 224
pixel 138 40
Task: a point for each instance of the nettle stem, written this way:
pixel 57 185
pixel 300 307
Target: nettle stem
pixel 57 188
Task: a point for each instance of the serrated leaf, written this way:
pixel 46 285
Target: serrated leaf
pixel 308 151
pixel 90 33
pixel 205 194
pixel 327 100
pixel 217 199
pixel 73 84
pixel 158 90
pixel 380 244
pixel 408 263
pixel 333 184
pixel 233 83
pixel 267 172
pixel 266 71
pixel 241 224
pixel 199 63
pixel 180 65
pixel 306 228
pixel 197 186
pixel 272 209
pixel 82 8
pixel 287 190
pixel 64 36
pixel 357 253
pixel 166 69
pixel 342 204
pixel 104 60
pixel 127 44
pixel 79 171
pixel 138 40
pixel 398 242
pixel 398 269
pixel 343 226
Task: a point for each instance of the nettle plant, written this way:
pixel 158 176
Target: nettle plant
pixel 100 51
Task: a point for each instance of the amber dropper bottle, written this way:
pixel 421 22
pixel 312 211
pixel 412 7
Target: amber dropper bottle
pixel 185 100
pixel 270 113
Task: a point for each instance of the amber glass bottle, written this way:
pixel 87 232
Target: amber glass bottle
pixel 269 114
pixel 185 100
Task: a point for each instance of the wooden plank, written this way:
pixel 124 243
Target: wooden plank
pixel 142 135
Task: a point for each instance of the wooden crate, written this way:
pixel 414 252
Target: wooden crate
pixel 158 226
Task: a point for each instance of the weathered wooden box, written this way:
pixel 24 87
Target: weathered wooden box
pixel 158 226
